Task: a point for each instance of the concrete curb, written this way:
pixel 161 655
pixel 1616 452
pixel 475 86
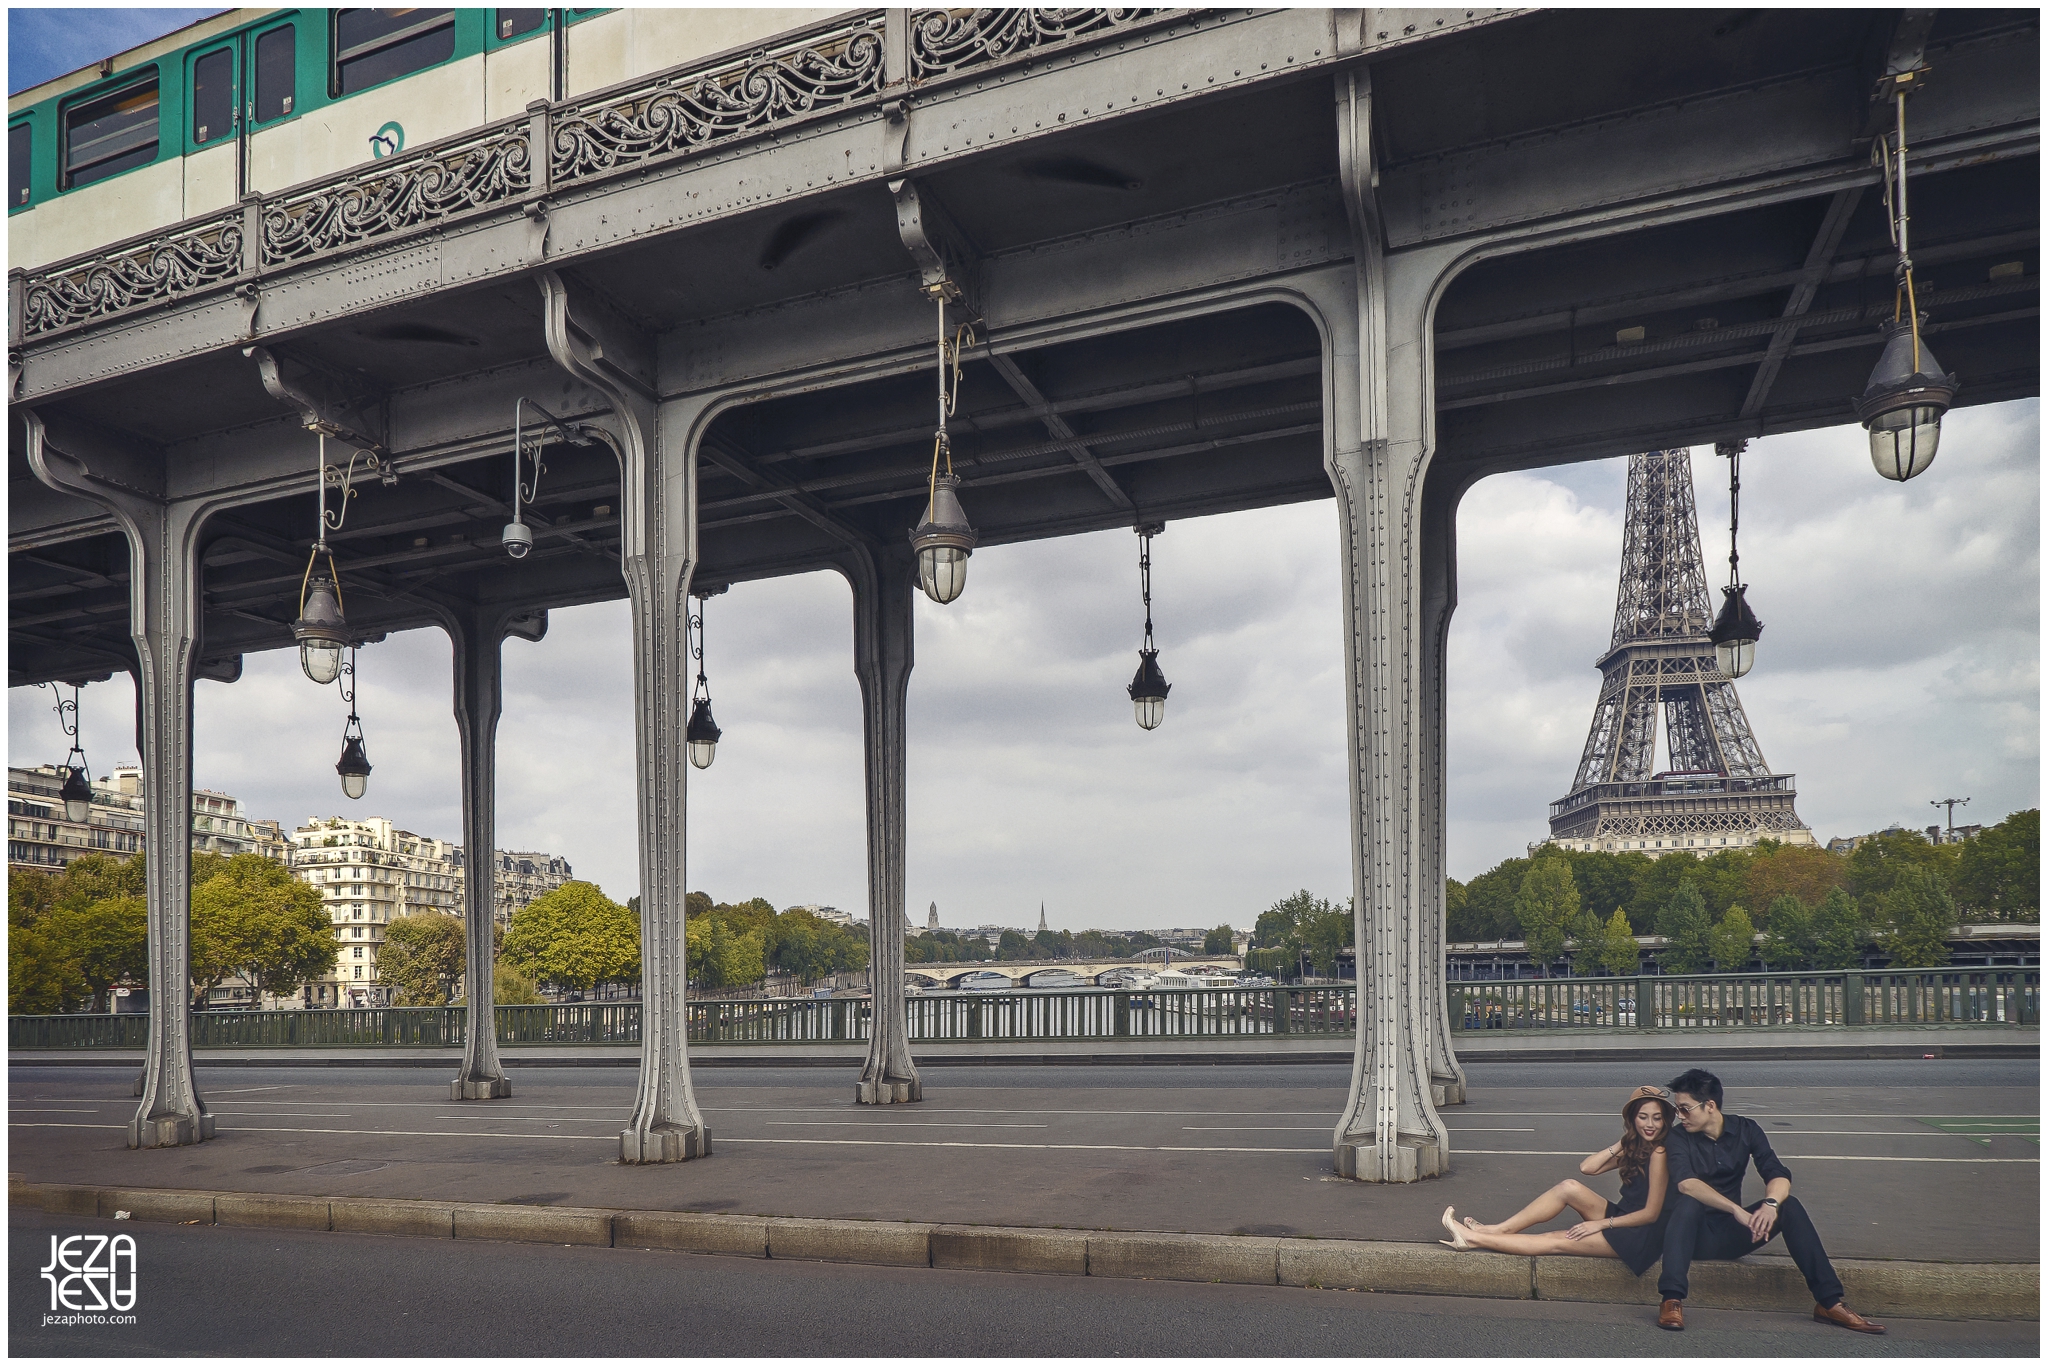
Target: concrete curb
pixel 1919 1290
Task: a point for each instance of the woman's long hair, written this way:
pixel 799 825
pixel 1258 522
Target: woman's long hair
pixel 1635 1150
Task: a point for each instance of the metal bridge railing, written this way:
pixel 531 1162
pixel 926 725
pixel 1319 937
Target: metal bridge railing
pixel 1757 1000
pixel 1777 1000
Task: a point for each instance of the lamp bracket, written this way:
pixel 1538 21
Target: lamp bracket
pixel 325 402
pixel 948 266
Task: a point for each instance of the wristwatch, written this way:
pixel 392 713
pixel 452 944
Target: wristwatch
pixel 1769 1201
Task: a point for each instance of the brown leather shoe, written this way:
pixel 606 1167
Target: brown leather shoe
pixel 1844 1316
pixel 1671 1314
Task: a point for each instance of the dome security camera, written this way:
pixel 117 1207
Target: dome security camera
pixel 517 539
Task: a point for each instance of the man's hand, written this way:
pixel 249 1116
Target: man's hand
pixel 1586 1230
pixel 1761 1222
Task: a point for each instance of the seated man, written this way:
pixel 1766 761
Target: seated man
pixel 1708 1152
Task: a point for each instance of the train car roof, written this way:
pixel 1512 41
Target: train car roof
pixel 199 30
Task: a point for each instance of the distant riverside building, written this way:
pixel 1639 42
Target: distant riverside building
pixel 523 877
pixel 1933 834
pixel 369 873
pixel 40 836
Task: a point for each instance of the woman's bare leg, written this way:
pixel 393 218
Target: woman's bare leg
pixel 1540 1244
pixel 1588 1203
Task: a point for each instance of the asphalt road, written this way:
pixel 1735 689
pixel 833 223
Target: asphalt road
pixel 235 1292
pixel 1895 1159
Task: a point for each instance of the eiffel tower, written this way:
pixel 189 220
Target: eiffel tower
pixel 1717 792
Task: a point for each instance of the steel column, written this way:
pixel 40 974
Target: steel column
pixel 1377 453
pixel 658 553
pixel 164 604
pixel 475 635
pixel 1439 581
pixel 883 582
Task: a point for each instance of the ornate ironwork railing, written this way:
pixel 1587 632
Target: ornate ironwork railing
pixel 946 41
pixel 1751 1001
pixel 687 109
pixel 699 109
pixel 134 274
pixel 406 191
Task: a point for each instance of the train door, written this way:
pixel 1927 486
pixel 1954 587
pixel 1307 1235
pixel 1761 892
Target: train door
pixel 215 175
pixel 269 100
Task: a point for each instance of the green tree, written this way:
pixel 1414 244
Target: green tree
pixel 574 938
pixel 1804 871
pixel 720 956
pixel 1877 862
pixel 1219 940
pixel 1458 925
pixel 1998 873
pixel 1489 909
pixel 422 957
pixel 1545 905
pixel 509 987
pixel 1919 916
pixel 107 940
pixel 42 975
pixel 253 920
pixel 1607 879
pixel 1686 928
pixel 1277 927
pixel 1788 934
pixel 1620 954
pixel 1733 941
pixel 808 948
pixel 1839 934
pixel 1323 932
pixel 1586 934
pixel 102 877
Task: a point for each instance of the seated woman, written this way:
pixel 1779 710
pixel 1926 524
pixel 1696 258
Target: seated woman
pixel 1630 1229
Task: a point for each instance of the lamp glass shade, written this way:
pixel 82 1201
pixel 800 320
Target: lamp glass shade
pixel 1735 657
pixel 77 796
pixel 942 572
pixel 1903 441
pixel 354 768
pixel 943 541
pixel 1901 407
pixel 1735 632
pixel 320 660
pixel 702 735
pixel 1148 691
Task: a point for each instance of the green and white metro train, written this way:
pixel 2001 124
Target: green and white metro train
pixel 258 100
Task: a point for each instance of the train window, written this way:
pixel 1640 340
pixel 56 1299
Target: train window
pixel 514 23
pixel 276 62
pixel 376 45
pixel 213 96
pixel 18 139
pixel 112 133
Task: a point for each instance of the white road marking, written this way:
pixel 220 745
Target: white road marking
pixel 1789 1157
pixel 1035 1147
pixel 898 1124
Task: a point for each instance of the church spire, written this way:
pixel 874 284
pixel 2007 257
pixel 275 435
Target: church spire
pixel 1041 917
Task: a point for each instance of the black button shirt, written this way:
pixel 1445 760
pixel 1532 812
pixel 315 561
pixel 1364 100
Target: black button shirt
pixel 1720 1162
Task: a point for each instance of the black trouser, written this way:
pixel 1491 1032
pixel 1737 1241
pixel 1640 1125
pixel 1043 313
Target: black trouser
pixel 1697 1233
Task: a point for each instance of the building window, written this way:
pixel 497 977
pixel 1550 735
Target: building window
pixel 359 974
pixel 19 139
pixel 213 113
pixel 276 66
pixel 372 46
pixel 113 133
pixel 358 954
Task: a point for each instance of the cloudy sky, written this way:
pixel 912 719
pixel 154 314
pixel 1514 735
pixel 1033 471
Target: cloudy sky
pixel 1900 663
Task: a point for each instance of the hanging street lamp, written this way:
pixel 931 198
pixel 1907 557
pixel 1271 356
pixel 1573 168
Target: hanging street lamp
pixel 77 790
pixel 944 540
pixel 1902 406
pixel 701 736
pixel 1736 629
pixel 322 630
pixel 354 766
pixel 1149 687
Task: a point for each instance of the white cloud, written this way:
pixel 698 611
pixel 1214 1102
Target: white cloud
pixel 1899 664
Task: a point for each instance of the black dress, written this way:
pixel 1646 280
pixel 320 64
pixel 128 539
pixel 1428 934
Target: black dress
pixel 1639 1247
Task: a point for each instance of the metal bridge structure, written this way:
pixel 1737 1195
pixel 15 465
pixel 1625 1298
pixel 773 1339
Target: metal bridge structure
pixel 1219 259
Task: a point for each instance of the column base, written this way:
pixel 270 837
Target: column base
pixel 664 1145
pixel 888 1092
pixel 169 1131
pixel 481 1088
pixel 1412 1157
pixel 1446 1091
